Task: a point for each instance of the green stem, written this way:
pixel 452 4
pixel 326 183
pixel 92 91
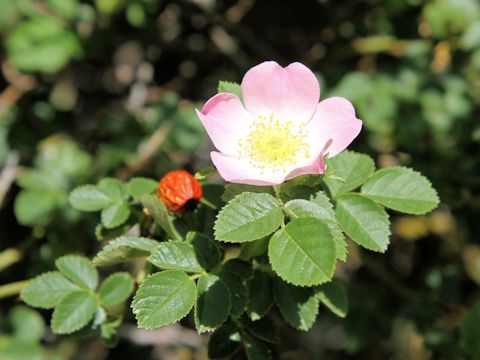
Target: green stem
pixel 9 257
pixel 208 204
pixel 276 189
pixel 12 288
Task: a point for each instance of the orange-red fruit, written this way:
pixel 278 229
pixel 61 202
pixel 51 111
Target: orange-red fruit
pixel 180 191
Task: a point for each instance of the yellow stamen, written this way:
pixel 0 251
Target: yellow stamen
pixel 274 144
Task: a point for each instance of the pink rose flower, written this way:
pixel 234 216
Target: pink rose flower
pixel 282 131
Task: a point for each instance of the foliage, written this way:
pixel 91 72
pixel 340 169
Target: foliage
pixel 97 98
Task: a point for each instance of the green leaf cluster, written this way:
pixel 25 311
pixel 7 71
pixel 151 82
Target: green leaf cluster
pixel 72 293
pixel 112 198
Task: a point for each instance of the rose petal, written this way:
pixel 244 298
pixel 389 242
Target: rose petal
pixel 291 93
pixel 240 170
pixel 226 121
pixel 315 167
pixel 334 121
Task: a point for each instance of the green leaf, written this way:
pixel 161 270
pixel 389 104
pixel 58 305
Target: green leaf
pixel 254 248
pixel 224 342
pixel 160 214
pixel 28 325
pixel 34 207
pixel 302 208
pixel 116 288
pixel 123 249
pixel 78 269
pixel 203 173
pixel 249 216
pixel 42 43
pixel 254 348
pixel 303 253
pixel 115 215
pixel 41 181
pixel 401 189
pixel 230 87
pixel 347 171
pixel 260 298
pixel 73 312
pixel 364 221
pixel 212 196
pixel 208 253
pixel 213 303
pixel 469 330
pixel 114 189
pixel 298 306
pixel 139 186
pixel 89 198
pixel 46 290
pixel 232 190
pixel 176 255
pixel 236 274
pixel 334 296
pixel 164 298
pixel 264 329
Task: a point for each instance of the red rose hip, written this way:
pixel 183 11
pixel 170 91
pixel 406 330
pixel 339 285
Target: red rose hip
pixel 180 191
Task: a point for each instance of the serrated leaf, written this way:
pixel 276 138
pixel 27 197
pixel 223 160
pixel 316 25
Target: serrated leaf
pixel 297 192
pixel 302 208
pixel 298 305
pixel 176 255
pixel 347 171
pixel 74 311
pixel 213 303
pixel 334 296
pixel 232 190
pixel 260 298
pixel 139 186
pixel 254 248
pixel 114 188
pixel 264 329
pixel 303 253
pixel 254 348
pixel 115 215
pixel 238 290
pixel 230 87
pixel 401 189
pixel 160 214
pixel 224 342
pixel 164 298
pixel 208 253
pixel 240 268
pixel 89 198
pixel 236 273
pixel 116 288
pixel 364 221
pixel 249 216
pixel 123 249
pixel 79 270
pixel 46 290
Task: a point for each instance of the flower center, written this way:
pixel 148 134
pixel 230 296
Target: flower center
pixel 274 144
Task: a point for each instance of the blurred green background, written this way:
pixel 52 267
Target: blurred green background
pixel 108 87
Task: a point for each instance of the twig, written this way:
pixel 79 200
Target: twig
pixel 9 257
pixel 9 174
pixel 12 288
